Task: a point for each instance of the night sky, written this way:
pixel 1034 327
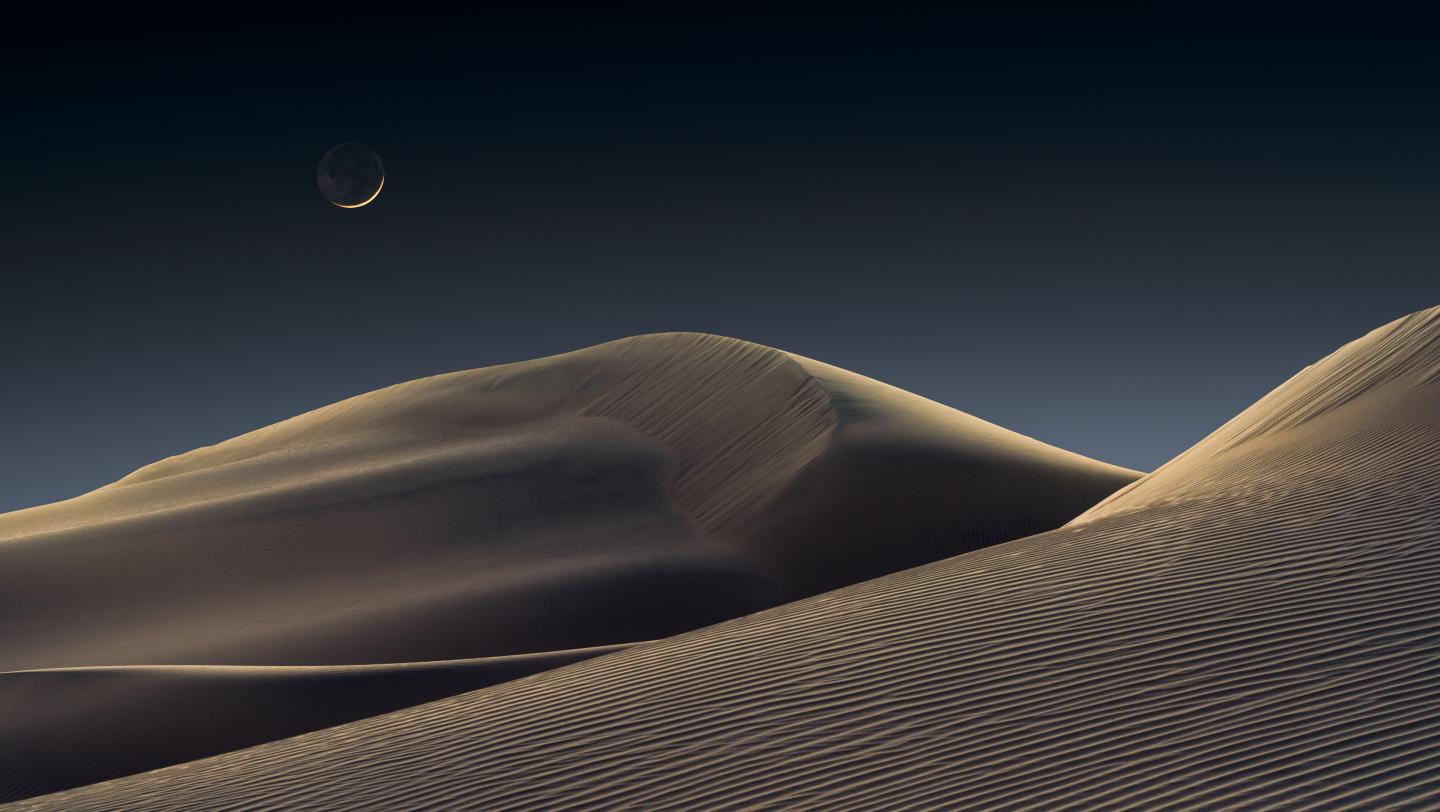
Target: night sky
pixel 1109 233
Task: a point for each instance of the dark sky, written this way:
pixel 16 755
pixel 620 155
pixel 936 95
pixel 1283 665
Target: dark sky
pixel 1110 233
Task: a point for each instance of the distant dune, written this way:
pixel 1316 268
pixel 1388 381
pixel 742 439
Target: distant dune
pixel 622 493
pixel 1253 625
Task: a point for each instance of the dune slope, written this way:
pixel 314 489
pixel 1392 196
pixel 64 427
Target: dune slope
pixel 1252 626
pixel 66 727
pixel 620 493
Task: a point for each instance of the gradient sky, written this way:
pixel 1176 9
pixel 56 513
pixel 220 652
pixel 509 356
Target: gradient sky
pixel 1111 234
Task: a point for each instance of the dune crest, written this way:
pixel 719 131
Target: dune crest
pixel 729 461
pixel 1251 626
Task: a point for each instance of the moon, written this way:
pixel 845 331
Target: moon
pixel 350 175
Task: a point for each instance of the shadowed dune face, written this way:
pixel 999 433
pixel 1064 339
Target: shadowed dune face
pixel 621 493
pixel 1251 626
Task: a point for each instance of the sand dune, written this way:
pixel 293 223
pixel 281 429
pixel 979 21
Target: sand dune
pixel 1254 626
pixel 625 492
pixel 620 493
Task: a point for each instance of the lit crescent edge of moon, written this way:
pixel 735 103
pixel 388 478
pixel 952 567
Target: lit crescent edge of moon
pixel 366 200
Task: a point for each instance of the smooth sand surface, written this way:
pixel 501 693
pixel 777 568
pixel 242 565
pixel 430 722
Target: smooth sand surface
pixel 1252 626
pixel 625 492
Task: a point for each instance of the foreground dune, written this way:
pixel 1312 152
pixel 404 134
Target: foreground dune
pixel 625 492
pixel 1252 626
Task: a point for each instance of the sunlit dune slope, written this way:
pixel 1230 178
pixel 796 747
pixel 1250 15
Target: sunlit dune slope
pixel 1253 626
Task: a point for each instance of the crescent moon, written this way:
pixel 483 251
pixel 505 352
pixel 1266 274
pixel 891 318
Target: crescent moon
pixel 366 200
pixel 350 175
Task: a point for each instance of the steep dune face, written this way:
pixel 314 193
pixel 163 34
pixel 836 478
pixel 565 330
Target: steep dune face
pixel 1252 626
pixel 621 493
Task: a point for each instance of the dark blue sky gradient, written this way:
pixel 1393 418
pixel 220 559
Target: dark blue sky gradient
pixel 1111 234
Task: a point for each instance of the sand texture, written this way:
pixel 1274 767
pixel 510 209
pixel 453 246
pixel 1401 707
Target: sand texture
pixel 1252 626
pixel 408 537
pixel 66 727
